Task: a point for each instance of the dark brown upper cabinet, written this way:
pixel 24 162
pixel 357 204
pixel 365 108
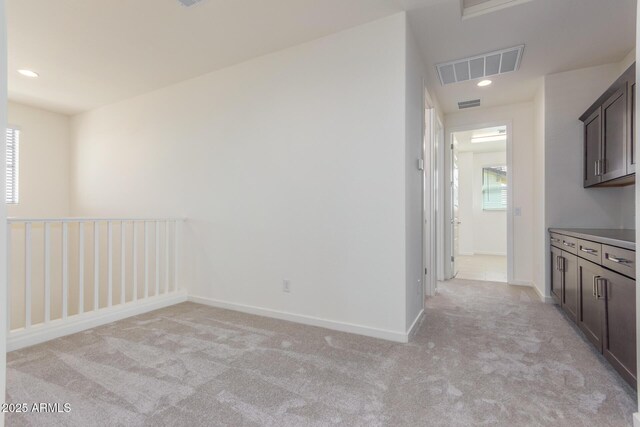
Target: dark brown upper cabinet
pixel 609 124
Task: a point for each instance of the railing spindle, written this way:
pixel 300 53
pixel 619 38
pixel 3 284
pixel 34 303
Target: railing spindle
pixel 166 257
pixel 96 266
pixel 81 268
pixel 9 240
pixel 157 242
pixel 146 261
pixel 27 275
pixel 47 272
pixel 135 262
pixel 110 263
pixel 122 262
pixel 65 270
pixel 175 254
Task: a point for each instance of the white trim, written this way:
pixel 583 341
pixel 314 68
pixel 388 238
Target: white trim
pixel 401 337
pixel 415 325
pixel 545 299
pixel 636 419
pixel 58 328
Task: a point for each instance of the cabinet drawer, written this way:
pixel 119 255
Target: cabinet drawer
pixel 570 245
pixel 556 240
pixel 590 250
pixel 621 260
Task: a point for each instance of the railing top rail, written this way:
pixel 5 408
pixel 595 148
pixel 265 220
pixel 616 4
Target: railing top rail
pixel 83 219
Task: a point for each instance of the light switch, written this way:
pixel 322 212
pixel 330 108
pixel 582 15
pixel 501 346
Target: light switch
pixel 518 212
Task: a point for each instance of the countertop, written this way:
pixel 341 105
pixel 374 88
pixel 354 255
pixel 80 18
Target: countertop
pixel 622 238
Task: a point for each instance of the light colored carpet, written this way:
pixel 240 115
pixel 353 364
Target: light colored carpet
pixel 486 353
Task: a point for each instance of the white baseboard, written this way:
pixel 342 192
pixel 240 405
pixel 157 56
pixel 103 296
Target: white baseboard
pixel 543 298
pixel 636 419
pixel 384 334
pixel 58 328
pixel 416 323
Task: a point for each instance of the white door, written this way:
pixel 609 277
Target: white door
pixel 455 218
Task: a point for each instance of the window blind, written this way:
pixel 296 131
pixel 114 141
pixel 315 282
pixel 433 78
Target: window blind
pixel 494 188
pixel 13 145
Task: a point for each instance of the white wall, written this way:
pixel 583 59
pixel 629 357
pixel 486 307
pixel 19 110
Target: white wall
pixel 481 232
pixel 289 166
pixel 568 204
pixel 466 241
pixel 44 162
pixel 521 118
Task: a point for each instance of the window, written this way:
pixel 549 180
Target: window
pixel 494 188
pixel 13 143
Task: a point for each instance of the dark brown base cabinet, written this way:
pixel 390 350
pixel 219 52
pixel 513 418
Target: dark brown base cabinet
pixel 602 302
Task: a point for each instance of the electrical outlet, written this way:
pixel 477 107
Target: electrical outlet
pixel 286 286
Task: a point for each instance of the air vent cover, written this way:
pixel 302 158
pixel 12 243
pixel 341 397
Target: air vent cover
pixel 477 67
pixel 187 3
pixel 468 104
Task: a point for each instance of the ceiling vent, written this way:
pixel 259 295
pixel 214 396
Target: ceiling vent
pixel 188 3
pixel 472 8
pixel 477 67
pixel 468 104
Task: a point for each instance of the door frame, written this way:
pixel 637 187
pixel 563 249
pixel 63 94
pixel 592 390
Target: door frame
pixel 445 223
pixel 432 134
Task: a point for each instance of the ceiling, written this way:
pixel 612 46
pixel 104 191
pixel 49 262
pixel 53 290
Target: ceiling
pixel 559 36
pixel 464 144
pixel 94 52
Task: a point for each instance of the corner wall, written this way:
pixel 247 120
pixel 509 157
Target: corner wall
pixel 289 166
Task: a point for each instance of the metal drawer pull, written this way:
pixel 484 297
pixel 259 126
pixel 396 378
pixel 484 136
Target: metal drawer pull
pixel 589 250
pixel 555 240
pixel 571 245
pixel 595 279
pixel 596 172
pixel 598 281
pixel 618 260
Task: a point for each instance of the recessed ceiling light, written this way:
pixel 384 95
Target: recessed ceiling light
pixel 484 83
pixel 28 73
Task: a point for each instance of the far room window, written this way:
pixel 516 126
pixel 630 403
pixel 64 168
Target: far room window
pixel 494 188
pixel 13 144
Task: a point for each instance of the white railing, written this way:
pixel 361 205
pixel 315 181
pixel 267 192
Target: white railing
pixel 62 271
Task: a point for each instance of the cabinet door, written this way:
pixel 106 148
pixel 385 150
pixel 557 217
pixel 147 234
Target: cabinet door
pixel 631 137
pixel 592 148
pixel 619 341
pixel 590 308
pixel 614 136
pixel 556 275
pixel 570 285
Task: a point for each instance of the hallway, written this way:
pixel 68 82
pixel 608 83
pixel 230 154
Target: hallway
pixel 486 353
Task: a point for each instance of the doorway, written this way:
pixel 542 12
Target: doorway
pixel 479 203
